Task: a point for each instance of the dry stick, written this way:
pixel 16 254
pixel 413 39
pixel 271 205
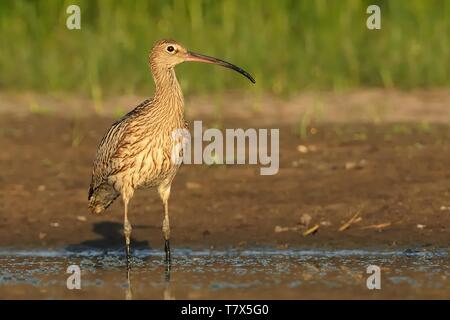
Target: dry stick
pixel 279 229
pixel 311 230
pixel 351 221
pixel 377 226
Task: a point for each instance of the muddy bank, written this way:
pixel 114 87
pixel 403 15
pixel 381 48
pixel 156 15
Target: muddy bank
pixel 395 175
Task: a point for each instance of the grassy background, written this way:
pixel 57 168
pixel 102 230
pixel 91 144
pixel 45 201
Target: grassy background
pixel 288 45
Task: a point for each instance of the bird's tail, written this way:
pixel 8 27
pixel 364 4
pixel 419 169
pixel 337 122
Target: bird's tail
pixel 101 198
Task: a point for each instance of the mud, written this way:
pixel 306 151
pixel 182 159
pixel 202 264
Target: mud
pixel 235 233
pixel 396 175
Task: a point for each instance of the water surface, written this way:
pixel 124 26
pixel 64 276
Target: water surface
pixel 228 274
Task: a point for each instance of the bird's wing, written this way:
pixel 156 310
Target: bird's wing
pixel 106 159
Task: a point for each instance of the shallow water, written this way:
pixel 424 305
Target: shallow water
pixel 231 274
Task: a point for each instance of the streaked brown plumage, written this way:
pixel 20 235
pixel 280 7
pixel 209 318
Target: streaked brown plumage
pixel 136 151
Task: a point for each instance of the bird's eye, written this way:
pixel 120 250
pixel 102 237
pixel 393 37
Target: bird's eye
pixel 170 49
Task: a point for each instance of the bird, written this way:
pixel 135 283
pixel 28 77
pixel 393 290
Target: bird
pixel 135 153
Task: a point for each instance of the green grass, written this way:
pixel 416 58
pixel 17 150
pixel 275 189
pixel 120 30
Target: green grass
pixel 287 45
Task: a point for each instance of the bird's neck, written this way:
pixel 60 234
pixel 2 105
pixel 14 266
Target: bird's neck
pixel 168 95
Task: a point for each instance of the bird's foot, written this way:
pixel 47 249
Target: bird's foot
pixel 168 259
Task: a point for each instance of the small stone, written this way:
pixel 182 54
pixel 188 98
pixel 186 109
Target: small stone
pixel 279 229
pixel 81 218
pixel 355 165
pixel 305 219
pixel 42 235
pixel 41 188
pixel 54 224
pixel 421 226
pixel 350 165
pixel 325 223
pixel 302 149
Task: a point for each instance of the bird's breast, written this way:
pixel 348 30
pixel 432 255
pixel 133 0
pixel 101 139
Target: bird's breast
pixel 154 163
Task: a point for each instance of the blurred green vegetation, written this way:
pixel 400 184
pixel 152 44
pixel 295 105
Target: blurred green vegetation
pixel 288 45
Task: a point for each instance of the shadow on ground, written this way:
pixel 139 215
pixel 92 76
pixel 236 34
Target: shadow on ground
pixel 111 238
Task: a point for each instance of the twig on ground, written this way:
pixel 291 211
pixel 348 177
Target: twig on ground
pixel 311 230
pixel 378 226
pixel 356 218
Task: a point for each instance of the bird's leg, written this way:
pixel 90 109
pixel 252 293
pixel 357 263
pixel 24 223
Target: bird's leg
pixel 164 193
pixel 127 233
pixel 166 232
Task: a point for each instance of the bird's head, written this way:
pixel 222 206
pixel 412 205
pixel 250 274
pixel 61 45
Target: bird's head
pixel 169 53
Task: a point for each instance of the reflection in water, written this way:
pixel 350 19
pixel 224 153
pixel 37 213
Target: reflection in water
pixel 129 289
pixel 167 295
pixel 248 274
pixel 167 272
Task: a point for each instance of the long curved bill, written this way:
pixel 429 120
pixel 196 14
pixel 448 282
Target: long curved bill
pixel 193 56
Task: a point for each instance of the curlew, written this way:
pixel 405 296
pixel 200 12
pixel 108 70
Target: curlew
pixel 136 151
